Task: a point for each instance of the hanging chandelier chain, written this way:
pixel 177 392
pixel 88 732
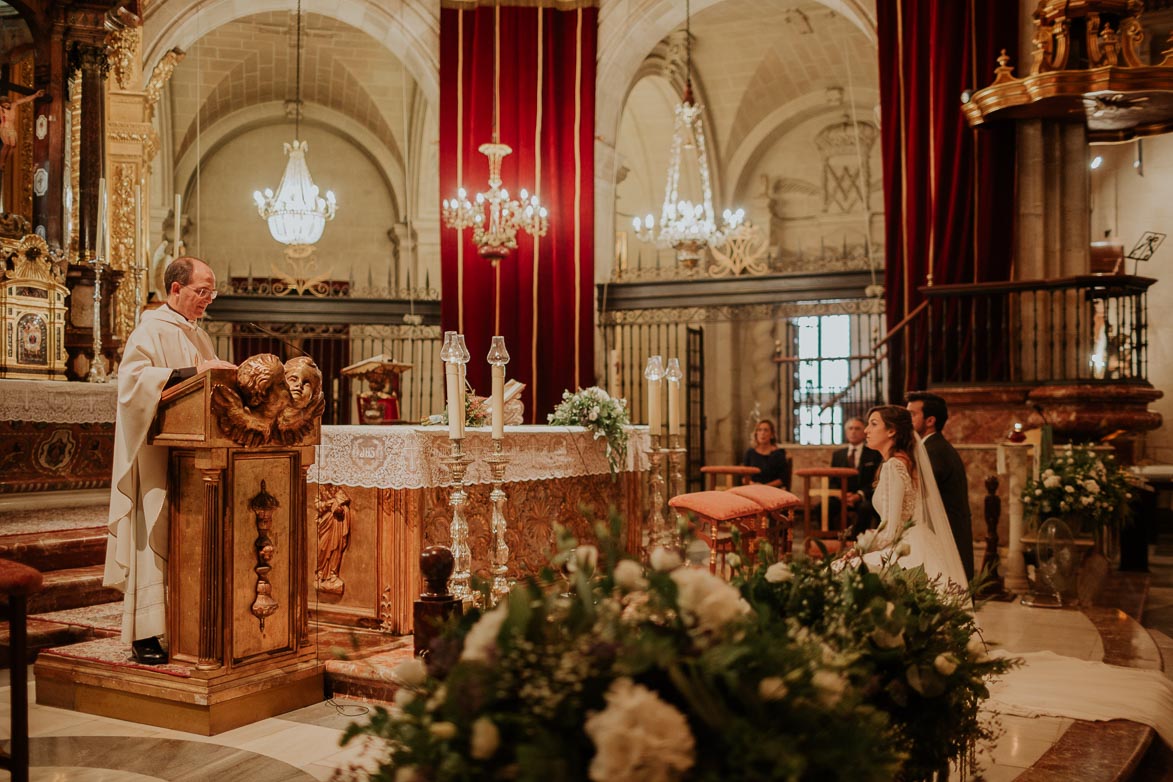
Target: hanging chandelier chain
pixel 297 88
pixel 687 51
pixel 496 72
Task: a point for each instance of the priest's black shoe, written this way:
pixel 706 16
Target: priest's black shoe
pixel 148 651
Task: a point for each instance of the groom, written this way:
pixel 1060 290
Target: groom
pixel 929 415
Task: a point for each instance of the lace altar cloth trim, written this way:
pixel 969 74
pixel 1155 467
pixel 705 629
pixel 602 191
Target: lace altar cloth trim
pixel 408 457
pixel 57 402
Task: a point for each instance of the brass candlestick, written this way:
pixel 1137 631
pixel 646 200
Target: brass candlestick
pixel 657 533
pixel 676 453
pixel 97 373
pixel 497 462
pixel 457 463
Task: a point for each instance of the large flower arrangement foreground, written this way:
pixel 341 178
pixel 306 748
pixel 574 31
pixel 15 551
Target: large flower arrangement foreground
pixel 802 671
pixel 1079 483
pixel 600 413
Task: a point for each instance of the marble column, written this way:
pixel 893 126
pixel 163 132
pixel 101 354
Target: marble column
pixel 1018 465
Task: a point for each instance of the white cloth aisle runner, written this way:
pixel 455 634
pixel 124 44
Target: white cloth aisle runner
pixel 1049 684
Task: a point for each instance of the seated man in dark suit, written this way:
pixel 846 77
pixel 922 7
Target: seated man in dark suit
pixel 859 488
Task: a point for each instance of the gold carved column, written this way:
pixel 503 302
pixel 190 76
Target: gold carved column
pixel 130 144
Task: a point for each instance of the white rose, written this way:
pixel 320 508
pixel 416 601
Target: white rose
pixel 665 559
pixel 585 557
pixel 405 774
pixel 443 730
pixel 733 560
pixel 772 688
pixel 779 573
pixel 410 673
pixel 885 640
pixel 629 576
pixel 865 539
pixel 903 550
pixel 710 600
pixel 482 638
pixel 945 664
pixel 831 684
pixel 639 737
pixel 1091 486
pixel 485 739
pixel 593 415
pixel 403 697
pixel 1038 492
pixel 1069 489
pixel 1051 482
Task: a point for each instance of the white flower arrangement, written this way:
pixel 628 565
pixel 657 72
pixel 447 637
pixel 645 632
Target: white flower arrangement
pixel 602 414
pixel 639 737
pixel 1079 481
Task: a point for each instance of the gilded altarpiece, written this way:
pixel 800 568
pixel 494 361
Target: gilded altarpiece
pixel 560 476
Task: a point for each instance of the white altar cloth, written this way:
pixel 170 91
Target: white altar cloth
pixel 408 457
pixel 58 402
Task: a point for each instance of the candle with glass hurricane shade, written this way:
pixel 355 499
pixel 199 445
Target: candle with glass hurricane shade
pixel 498 357
pixel 460 351
pixel 673 374
pixel 451 379
pixel 100 259
pixel 654 372
pixel 658 535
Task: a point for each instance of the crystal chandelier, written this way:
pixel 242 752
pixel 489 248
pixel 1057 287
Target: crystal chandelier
pixel 296 214
pixel 685 226
pixel 494 217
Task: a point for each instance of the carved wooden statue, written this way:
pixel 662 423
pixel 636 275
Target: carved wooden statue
pixel 272 403
pixel 333 508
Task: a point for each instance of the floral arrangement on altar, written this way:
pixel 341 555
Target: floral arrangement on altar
pixel 1079 481
pixel 622 673
pixel 602 414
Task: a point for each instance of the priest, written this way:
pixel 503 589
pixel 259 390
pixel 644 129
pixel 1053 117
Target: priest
pixel 166 347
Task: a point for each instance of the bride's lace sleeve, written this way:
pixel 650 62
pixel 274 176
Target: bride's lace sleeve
pixel 892 490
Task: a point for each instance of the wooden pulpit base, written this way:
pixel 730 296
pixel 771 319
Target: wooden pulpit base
pixel 204 703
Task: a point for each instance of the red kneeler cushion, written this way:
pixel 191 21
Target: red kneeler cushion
pixel 716 505
pixel 770 498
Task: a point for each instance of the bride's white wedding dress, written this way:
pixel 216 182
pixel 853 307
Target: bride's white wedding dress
pixel 1045 684
pixel 900 498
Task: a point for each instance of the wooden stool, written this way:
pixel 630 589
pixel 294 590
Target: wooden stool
pixel 726 476
pixel 720 511
pixel 17 582
pixel 824 492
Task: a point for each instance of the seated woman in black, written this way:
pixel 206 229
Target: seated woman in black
pixel 766 456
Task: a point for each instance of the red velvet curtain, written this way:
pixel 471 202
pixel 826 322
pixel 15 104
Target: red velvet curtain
pixel 547 115
pixel 948 188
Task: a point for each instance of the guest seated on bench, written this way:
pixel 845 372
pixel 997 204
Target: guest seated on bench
pixel 766 455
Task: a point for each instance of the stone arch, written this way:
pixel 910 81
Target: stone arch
pixel 410 29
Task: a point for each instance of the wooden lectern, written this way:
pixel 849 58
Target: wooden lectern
pixel 238 566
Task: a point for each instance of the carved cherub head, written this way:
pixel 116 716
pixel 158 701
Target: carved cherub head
pixel 260 380
pixel 304 380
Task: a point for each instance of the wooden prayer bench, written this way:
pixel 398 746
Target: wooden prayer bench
pixel 17 582
pixel 726 476
pixel 824 492
pixel 757 512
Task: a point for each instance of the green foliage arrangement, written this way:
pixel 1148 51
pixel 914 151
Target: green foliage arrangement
pixel 620 672
pixel 602 414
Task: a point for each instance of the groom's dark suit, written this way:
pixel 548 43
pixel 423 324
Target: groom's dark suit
pixel 868 463
pixel 949 471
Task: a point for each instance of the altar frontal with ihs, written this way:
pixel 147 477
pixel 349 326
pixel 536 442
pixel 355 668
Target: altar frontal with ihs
pixel 240 444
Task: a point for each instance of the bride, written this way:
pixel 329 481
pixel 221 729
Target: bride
pixel 914 530
pixel 908 503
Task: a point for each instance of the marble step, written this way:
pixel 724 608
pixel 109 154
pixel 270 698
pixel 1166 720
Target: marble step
pixel 56 550
pixel 71 588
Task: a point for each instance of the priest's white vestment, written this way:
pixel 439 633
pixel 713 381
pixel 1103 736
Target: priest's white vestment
pixel 136 548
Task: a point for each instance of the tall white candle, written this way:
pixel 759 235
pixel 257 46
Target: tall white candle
pixel 178 229
pixel 455 417
pixel 654 427
pixel 498 401
pixel 460 374
pixel 673 406
pixel 100 241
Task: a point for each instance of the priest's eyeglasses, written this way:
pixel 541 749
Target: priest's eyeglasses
pixel 207 294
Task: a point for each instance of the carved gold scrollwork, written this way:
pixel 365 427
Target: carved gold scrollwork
pixel 159 77
pixel 122 49
pixel 263 506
